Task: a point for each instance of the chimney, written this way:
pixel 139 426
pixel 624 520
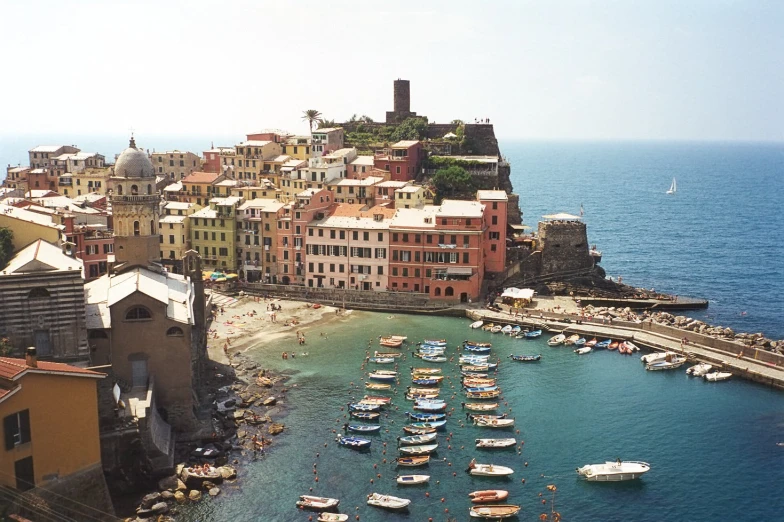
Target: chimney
pixel 31 357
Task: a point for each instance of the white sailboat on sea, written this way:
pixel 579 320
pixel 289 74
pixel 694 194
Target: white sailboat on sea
pixel 673 188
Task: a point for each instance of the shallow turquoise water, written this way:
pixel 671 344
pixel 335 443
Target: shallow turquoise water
pixel 711 446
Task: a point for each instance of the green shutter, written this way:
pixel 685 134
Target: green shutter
pixel 9 428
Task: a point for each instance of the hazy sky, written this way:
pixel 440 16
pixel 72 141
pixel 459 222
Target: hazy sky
pixel 658 69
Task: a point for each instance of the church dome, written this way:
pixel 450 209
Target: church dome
pixel 134 163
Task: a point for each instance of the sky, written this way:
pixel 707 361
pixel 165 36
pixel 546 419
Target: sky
pixel 549 69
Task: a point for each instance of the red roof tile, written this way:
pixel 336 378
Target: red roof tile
pixel 10 368
pixel 200 177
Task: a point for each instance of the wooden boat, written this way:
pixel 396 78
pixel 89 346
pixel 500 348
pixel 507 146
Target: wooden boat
pixel 435 342
pixel 516 329
pixel 476 324
pixel 479 406
pixel 525 358
pixel 476 349
pixel 426 417
pixel 533 334
pixel 434 358
pixel 426 390
pixel 424 449
pixel 365 415
pixel 631 347
pixel 488 326
pixel 592 342
pixel 496 511
pixel 475 367
pixel 389 342
pixel 584 350
pixel 494 423
pixel 603 344
pixel 430 381
pixel 387 501
pixel 485 416
pixel 418 431
pixel 397 337
pixel 377 386
pixel 483 395
pixel 429 406
pixel 488 470
pixel 317 503
pixel 375 399
pixel 420 396
pixel 480 375
pixel 580 342
pixel 382 360
pixel 364 407
pixel 354 442
pixel 429 424
pixel 427 376
pixel 362 428
pixel 571 339
pixel 431 350
pixel 478 381
pixel 417 439
pixel 556 340
pixel 376 376
pixel 332 517
pixel 387 354
pixel 497 328
pixel 413 461
pixel 411 480
pixel 474 389
pixel 495 443
pixel 717 376
pixel 488 495
pixel 613 345
pixel 473 359
pixel 477 343
pixel 425 371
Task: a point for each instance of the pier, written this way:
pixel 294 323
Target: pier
pixel 743 361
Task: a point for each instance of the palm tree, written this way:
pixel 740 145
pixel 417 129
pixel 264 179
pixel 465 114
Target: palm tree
pixel 311 116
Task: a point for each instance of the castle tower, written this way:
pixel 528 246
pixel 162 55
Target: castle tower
pixel 402 102
pixel 135 209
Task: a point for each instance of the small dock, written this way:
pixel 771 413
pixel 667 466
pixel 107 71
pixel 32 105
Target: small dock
pixel 748 363
pixel 678 303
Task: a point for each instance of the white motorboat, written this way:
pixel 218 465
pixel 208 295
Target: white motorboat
pixel 424 449
pixel 583 350
pixel 614 471
pixel 476 324
pixel 699 370
pixel 556 340
pixel 495 443
pixel 670 362
pixel 571 339
pixel 494 423
pixel 496 511
pixel 332 517
pixel 317 503
pixel 497 328
pixel 488 470
pixel 653 357
pixel 410 480
pixel 387 501
pixel 506 330
pixel 717 376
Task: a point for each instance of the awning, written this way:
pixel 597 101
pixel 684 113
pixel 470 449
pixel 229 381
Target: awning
pixel 563 216
pixel 459 270
pixel 519 227
pixel 518 293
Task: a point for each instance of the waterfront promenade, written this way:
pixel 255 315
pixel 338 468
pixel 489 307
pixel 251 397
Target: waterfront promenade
pixel 746 362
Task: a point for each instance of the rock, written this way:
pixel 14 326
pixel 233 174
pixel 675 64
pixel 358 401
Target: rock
pixel 149 500
pixel 264 381
pixel 160 508
pixel 144 513
pixel 241 433
pixel 168 483
pixel 207 485
pixel 227 472
pixel 238 414
pixel 180 497
pixel 214 492
pixel 270 401
pixel 275 428
pixel 194 495
pixel 181 485
pixel 167 495
pixel 179 469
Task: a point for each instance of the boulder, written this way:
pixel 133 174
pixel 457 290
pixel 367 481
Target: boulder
pixel 227 472
pixel 194 495
pixel 270 401
pixel 160 508
pixel 149 500
pixel 167 495
pixel 238 414
pixel 144 513
pixel 207 485
pixel 214 492
pixel 180 497
pixel 181 485
pixel 275 428
pixel 264 381
pixel 168 483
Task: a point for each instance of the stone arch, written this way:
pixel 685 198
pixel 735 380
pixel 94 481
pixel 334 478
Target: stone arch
pixel 174 331
pixel 136 228
pixel 134 190
pixel 152 227
pixel 138 313
pixel 119 190
pixel 437 292
pixel 39 293
pixel 149 189
pixel 449 292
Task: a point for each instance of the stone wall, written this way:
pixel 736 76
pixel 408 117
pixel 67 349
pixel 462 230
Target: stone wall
pixel 564 247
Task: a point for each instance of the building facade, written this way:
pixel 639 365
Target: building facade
pixel 175 164
pixel 213 232
pixel 257 239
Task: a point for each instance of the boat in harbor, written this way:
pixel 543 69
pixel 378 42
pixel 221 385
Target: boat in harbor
pixel 414 430
pixel 497 511
pixel 584 350
pixel 480 406
pixel 426 417
pixel 476 324
pixel 424 449
pixel 332 517
pixel 526 358
pixel 653 357
pixel 430 381
pixel 476 349
pixel 317 503
pixel 364 415
pixel 477 343
pixel 592 342
pixel 603 344
pixel 378 376
pixel 488 495
pixel 362 428
pixel 670 362
pixel 426 371
pixel 354 442
pixel 613 345
pixel 390 342
pixel 387 501
pixel 717 376
pixel 429 406
pixel 495 443
pixel 434 358
pixel 421 396
pixel 426 425
pixel 483 395
pixel 477 367
pixel 481 389
pixel 413 461
pixel 571 339
pixel 488 470
pixel 506 330
pixel 614 471
pixel 494 423
pixel 377 386
pixel 580 342
pixel 381 360
pixel 556 340
pixel 487 327
pixel 627 348
pixel 413 440
pixel 426 390
pixel 387 354
pixel 364 407
pixel 478 381
pixel 375 399
pixel 497 328
pixel 411 480
pixel 435 342
pixel 699 370
pixel 533 334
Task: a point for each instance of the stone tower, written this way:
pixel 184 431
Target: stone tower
pixel 135 209
pixel 402 102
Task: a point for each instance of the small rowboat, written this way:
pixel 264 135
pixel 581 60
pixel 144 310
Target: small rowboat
pixel 332 517
pixel 387 501
pixel 584 350
pixel 483 395
pixel 418 431
pixel 506 330
pixel 382 360
pixel 425 371
pixel 475 368
pixel 488 495
pixel 424 449
pixel 387 354
pixel 526 358
pixel 479 381
pixel 413 461
pixel 495 443
pixel 494 423
pixel 497 328
pixel 364 407
pixel 478 406
pixel 397 337
pixel 421 396
pixel 375 399
pixel 431 350
pixel 474 389
pixel 362 428
pixel 571 339
pixel 365 415
pixel 631 347
pixel 377 386
pixel 613 345
pixel 430 406
pixel 376 376
pixel 603 344
pixel 430 424
pixel 592 342
pixel 317 503
pixel 480 375
pixel 496 511
pixel 476 349
pixel 426 417
pixel 556 340
pixel 390 342
pixel 427 376
pixel 435 342
pixel 410 480
pixel 477 343
pixel 354 442
pixel 516 329
pixel 468 358
pixel 433 358
pixel 430 381
pixel 580 342
pixel 487 327
pixel 488 470
pixel 417 439
pixel 476 324
pixel 533 334
pixel 427 390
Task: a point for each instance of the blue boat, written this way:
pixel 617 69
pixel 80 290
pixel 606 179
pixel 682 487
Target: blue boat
pixel 365 415
pixel 476 349
pixel 381 360
pixel 438 342
pixel 603 344
pixel 354 442
pixel 434 358
pixel 362 428
pixel 580 342
pixel 427 425
pixel 431 351
pixel 426 417
pixel 481 389
pixel 425 382
pixel 533 334
pixel 364 407
pixel 525 358
pixel 382 377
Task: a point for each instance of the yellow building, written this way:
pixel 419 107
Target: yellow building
pixel 50 421
pixel 174 226
pixel 85 181
pixel 213 233
pixel 298 147
pixel 255 159
pixel 28 226
pixel 413 196
pixel 199 187
pixel 263 190
pixel 175 164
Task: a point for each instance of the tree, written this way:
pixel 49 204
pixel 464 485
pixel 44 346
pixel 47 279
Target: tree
pixel 454 183
pixel 458 122
pixel 410 129
pixel 365 118
pixel 6 246
pixel 311 116
pixel 326 124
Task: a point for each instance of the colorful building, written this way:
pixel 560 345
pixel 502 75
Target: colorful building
pixel 495 202
pixel 175 164
pixel 257 239
pixel 28 226
pixel 198 188
pixel 174 226
pixel 92 244
pixel 402 160
pixel 326 140
pixel 310 204
pixel 213 231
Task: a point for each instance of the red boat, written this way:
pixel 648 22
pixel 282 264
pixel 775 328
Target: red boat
pixel 488 495
pixel 391 342
pixel 613 345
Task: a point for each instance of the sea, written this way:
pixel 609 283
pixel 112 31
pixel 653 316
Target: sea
pixel 712 447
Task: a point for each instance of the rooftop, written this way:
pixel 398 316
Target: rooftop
pixel 492 195
pixel 12 369
pixel 47 148
pixel 409 188
pixel 41 256
pixel 365 182
pixel 405 144
pixel 174 187
pixel 356 216
pixel 327 129
pixel 200 177
pixel 363 160
pixel 26 215
pixel 460 208
pixel 268 205
pixel 392 184
pixel 226 202
pixel 172 219
pixel 177 205
pixel 206 212
pixel 254 143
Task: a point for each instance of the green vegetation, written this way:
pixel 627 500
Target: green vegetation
pixel 453 183
pixel 364 118
pixel 311 116
pixel 410 129
pixel 440 162
pixel 326 124
pixel 6 246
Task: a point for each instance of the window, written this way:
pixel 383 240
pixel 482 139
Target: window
pixel 394 270
pixel 38 293
pixel 495 235
pixel 366 236
pixel 394 237
pixel 465 257
pixel 321 232
pixel 494 220
pixel 223 236
pixel 17 429
pixel 493 248
pixel 355 235
pixel 405 272
pixel 495 205
pixel 223 251
pixel 429 238
pixel 380 270
pixel 381 236
pixel 405 238
pixel 332 234
pixel 171 240
pixel 342 234
pixel 310 232
pixel 138 313
pixel 195 234
pixel 174 331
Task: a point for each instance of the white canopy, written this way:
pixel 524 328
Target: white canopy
pixel 450 135
pixel 518 293
pixel 562 216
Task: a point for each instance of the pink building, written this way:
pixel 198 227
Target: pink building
pixel 495 202
pixel 310 204
pixel 91 245
pixel 402 160
pixel 349 248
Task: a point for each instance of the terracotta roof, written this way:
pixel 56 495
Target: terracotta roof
pixel 356 210
pixel 10 368
pixel 200 177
